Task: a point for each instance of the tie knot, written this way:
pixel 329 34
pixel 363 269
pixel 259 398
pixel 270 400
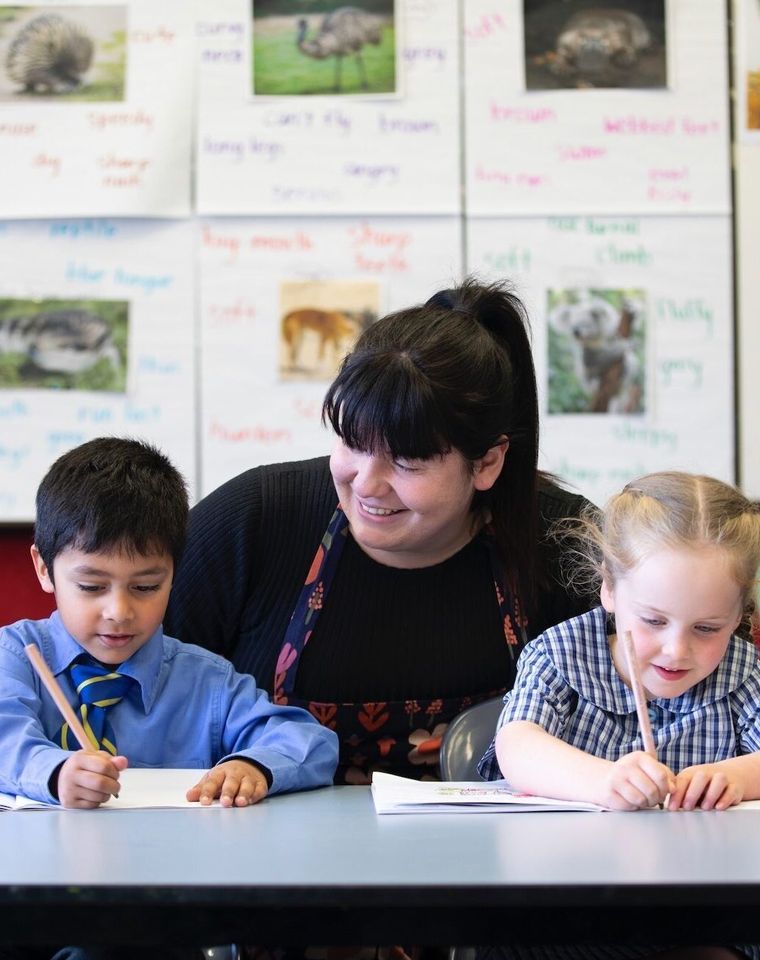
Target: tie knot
pixel 99 685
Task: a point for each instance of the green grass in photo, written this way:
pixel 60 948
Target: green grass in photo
pixel 281 69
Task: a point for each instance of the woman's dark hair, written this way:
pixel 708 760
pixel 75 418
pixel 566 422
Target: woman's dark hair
pixel 455 373
pixel 111 493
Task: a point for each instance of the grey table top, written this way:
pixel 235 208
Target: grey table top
pixel 326 856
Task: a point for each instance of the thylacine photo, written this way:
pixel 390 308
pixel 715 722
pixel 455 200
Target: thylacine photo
pixel 597 351
pixel 319 323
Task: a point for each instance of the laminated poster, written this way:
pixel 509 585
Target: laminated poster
pixel 345 112
pixel 579 108
pixel 96 105
pixel 96 338
pixel 747 69
pixel 282 301
pixel 632 332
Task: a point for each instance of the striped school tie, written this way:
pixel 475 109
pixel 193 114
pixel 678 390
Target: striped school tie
pixel 98 689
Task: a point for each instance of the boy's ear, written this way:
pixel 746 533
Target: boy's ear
pixel 486 470
pixel 40 568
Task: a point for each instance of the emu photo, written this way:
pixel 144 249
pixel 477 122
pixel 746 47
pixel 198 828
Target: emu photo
pixel 322 47
pixel 64 344
pixel 63 53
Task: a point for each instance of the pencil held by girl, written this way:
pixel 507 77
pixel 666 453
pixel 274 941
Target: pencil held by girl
pixel 675 558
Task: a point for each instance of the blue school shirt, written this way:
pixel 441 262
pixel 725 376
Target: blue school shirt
pixel 188 708
pixel 567 683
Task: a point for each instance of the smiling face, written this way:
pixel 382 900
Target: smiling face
pixel 110 602
pixel 681 607
pixel 411 513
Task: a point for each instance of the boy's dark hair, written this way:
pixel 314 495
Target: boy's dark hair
pixel 111 493
pixel 454 373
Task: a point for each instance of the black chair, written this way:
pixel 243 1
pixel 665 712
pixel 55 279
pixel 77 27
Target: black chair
pixel 466 739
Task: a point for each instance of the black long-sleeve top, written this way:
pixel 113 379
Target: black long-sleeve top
pixel 384 633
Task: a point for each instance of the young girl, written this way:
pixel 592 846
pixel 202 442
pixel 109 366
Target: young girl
pixel 676 556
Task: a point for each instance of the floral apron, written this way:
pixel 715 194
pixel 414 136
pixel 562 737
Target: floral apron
pixel 401 736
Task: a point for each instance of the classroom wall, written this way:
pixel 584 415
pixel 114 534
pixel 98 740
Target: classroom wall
pixel 198 215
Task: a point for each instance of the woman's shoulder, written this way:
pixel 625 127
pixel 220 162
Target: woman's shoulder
pixel 263 485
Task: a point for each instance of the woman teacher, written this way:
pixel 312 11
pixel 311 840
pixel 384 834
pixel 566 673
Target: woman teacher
pixel 393 584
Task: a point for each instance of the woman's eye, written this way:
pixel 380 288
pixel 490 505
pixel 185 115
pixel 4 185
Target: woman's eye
pixel 406 466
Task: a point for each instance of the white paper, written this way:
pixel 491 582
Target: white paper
pixel 329 154
pixel 596 151
pixel 392 794
pixel 141 789
pixel 256 408
pixel 679 272
pixel 148 267
pixel 121 157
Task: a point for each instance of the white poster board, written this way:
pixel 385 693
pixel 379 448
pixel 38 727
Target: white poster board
pixel 583 148
pixel 675 372
pixel 96 338
pixel 281 302
pixel 328 154
pixel 113 139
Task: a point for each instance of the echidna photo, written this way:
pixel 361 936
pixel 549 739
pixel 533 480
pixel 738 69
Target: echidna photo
pixel 49 54
pixel 63 53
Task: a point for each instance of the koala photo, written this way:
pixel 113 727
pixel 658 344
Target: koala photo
pixel 596 351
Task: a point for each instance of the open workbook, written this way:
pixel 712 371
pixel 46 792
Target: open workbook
pixel 392 794
pixel 140 790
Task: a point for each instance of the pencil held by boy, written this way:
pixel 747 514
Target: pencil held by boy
pixel 109 532
pixel 675 557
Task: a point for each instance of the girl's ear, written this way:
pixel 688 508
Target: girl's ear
pixel 486 470
pixel 607 596
pixel 40 568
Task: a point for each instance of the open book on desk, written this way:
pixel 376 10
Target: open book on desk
pixel 392 794
pixel 141 789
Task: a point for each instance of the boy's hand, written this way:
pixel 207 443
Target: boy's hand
pixel 706 786
pixel 637 781
pixel 87 779
pixel 236 783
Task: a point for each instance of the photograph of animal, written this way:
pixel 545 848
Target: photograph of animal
pixel 49 54
pixel 62 52
pixel 596 352
pixel 575 44
pixel 342 33
pixel 315 341
pixel 300 51
pixel 62 346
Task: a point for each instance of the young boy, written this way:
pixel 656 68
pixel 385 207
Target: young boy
pixel 110 527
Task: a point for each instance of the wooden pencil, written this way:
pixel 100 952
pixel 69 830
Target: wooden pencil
pixel 51 684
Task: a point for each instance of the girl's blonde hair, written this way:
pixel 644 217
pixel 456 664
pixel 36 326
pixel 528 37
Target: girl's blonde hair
pixel 668 510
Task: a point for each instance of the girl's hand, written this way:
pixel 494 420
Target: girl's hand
pixel 637 781
pixel 236 783
pixel 706 786
pixel 86 780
